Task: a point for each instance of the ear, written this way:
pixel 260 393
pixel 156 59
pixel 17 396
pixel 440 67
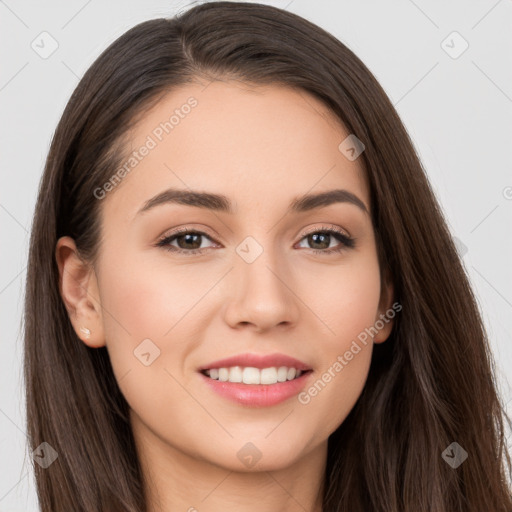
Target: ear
pixel 384 319
pixel 79 291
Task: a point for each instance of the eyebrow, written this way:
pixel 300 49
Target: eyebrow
pixel 221 203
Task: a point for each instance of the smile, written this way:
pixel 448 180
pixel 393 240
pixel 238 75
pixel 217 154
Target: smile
pixel 250 391
pixel 251 375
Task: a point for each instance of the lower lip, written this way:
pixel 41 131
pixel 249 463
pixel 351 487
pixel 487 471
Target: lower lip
pixel 258 395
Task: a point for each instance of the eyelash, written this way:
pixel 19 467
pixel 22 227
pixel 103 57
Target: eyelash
pixel 346 241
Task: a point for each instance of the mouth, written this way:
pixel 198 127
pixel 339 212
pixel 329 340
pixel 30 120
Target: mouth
pixel 255 376
pixel 256 380
pixel 254 387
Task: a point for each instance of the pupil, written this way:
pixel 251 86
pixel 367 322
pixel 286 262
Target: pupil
pixel 316 235
pixel 188 237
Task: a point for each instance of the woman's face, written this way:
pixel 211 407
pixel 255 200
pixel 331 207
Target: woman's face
pixel 263 284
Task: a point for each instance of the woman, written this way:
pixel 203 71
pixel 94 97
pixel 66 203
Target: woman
pixel 317 347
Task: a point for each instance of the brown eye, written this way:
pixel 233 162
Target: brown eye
pixel 319 241
pixel 188 242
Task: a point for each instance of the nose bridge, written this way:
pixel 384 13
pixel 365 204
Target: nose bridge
pixel 262 290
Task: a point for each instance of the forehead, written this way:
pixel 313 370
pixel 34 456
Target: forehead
pixel 259 145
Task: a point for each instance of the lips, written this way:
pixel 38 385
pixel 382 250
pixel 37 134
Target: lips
pixel 257 361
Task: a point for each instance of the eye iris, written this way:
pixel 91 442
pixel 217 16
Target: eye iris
pixel 189 237
pixel 314 237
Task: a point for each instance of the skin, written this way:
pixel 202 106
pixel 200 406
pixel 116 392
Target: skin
pixel 261 147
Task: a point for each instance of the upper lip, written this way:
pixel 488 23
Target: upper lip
pixel 257 361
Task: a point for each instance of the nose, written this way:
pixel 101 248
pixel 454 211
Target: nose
pixel 261 295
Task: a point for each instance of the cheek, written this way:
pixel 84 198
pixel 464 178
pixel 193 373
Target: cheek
pixel 147 298
pixel 346 299
pixel 149 334
pixel 349 307
pixel 335 388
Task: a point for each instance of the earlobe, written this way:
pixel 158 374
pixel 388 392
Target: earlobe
pixel 79 291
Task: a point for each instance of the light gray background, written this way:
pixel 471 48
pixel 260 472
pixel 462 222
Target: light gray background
pixel 458 112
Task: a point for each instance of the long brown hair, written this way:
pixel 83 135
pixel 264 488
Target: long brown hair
pixel 430 384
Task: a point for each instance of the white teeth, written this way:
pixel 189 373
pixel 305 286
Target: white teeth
pixel 268 376
pixel 282 373
pixel 291 373
pixel 235 374
pixel 250 375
